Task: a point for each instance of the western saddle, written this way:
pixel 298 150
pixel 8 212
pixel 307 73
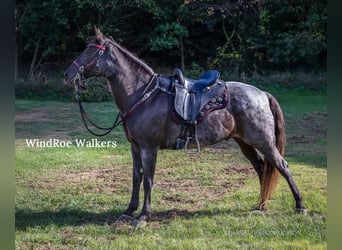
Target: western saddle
pixel 194 99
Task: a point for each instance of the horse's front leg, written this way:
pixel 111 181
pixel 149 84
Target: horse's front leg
pixel 148 158
pixel 136 182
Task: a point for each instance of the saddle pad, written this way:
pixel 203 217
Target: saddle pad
pixel 218 102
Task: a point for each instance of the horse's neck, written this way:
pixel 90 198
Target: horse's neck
pixel 128 83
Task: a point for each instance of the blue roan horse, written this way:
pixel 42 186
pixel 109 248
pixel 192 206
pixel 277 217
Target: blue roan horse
pixel 253 118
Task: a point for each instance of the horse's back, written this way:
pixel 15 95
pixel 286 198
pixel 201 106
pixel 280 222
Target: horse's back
pixel 245 97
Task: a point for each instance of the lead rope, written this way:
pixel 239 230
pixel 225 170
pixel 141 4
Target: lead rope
pixel 84 116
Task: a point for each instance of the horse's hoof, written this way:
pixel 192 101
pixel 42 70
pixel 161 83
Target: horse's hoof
pixel 260 209
pixel 125 218
pixel 301 210
pixel 140 221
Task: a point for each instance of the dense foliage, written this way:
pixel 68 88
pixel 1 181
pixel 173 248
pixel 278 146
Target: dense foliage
pixel 240 36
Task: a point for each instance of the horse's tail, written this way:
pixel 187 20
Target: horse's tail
pixel 270 174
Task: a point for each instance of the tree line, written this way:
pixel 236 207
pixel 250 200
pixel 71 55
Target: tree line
pixel 239 36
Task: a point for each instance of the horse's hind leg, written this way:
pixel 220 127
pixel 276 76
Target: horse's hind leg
pixel 253 156
pixel 276 160
pixel 267 177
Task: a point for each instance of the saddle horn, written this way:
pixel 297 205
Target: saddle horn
pixel 179 75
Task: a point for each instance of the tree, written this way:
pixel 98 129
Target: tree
pixel 40 26
pixel 235 36
pixel 292 34
pixel 50 30
pixel 168 27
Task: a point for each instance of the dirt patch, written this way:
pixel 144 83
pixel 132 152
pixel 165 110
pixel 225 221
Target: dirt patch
pixel 47 122
pixel 39 116
pixel 108 180
pixel 241 174
pixel 200 190
pixel 172 190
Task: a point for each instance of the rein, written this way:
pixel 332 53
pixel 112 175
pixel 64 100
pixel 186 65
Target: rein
pixel 84 116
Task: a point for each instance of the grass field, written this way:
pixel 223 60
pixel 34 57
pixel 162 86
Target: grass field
pixel 69 198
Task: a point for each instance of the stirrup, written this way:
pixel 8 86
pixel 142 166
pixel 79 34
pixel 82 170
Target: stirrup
pixel 197 151
pixel 192 136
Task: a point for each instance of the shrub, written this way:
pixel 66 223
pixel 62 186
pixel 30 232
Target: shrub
pixel 54 89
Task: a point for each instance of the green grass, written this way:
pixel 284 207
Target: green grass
pixel 69 198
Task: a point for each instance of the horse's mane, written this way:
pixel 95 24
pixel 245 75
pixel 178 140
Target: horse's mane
pixel 135 59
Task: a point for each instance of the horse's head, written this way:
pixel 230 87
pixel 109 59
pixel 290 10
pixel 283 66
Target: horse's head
pixel 92 61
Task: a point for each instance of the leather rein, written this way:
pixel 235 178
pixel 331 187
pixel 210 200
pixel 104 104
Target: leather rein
pixel 85 118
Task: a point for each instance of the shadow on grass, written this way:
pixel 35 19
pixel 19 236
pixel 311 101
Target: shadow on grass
pixel 28 219
pixel 25 219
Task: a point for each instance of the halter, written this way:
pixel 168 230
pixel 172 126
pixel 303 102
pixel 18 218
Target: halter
pixel 79 79
pixel 86 64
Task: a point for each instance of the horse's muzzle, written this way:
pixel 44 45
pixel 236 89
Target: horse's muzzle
pixel 71 73
pixel 66 79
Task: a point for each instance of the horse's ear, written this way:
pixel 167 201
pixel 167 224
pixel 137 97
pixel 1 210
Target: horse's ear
pixel 98 34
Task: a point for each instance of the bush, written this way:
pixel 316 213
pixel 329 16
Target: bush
pixel 95 91
pixel 309 81
pixel 46 91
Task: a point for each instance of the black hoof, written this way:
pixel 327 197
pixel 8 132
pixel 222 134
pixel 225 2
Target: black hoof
pixel 125 219
pixel 261 209
pixel 129 212
pixel 140 221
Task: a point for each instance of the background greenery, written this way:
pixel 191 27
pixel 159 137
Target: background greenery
pixel 238 37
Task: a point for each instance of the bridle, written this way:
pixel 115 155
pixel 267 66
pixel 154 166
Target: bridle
pixel 100 50
pixel 80 79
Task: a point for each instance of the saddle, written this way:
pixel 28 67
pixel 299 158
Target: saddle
pixel 191 95
pixel 194 99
